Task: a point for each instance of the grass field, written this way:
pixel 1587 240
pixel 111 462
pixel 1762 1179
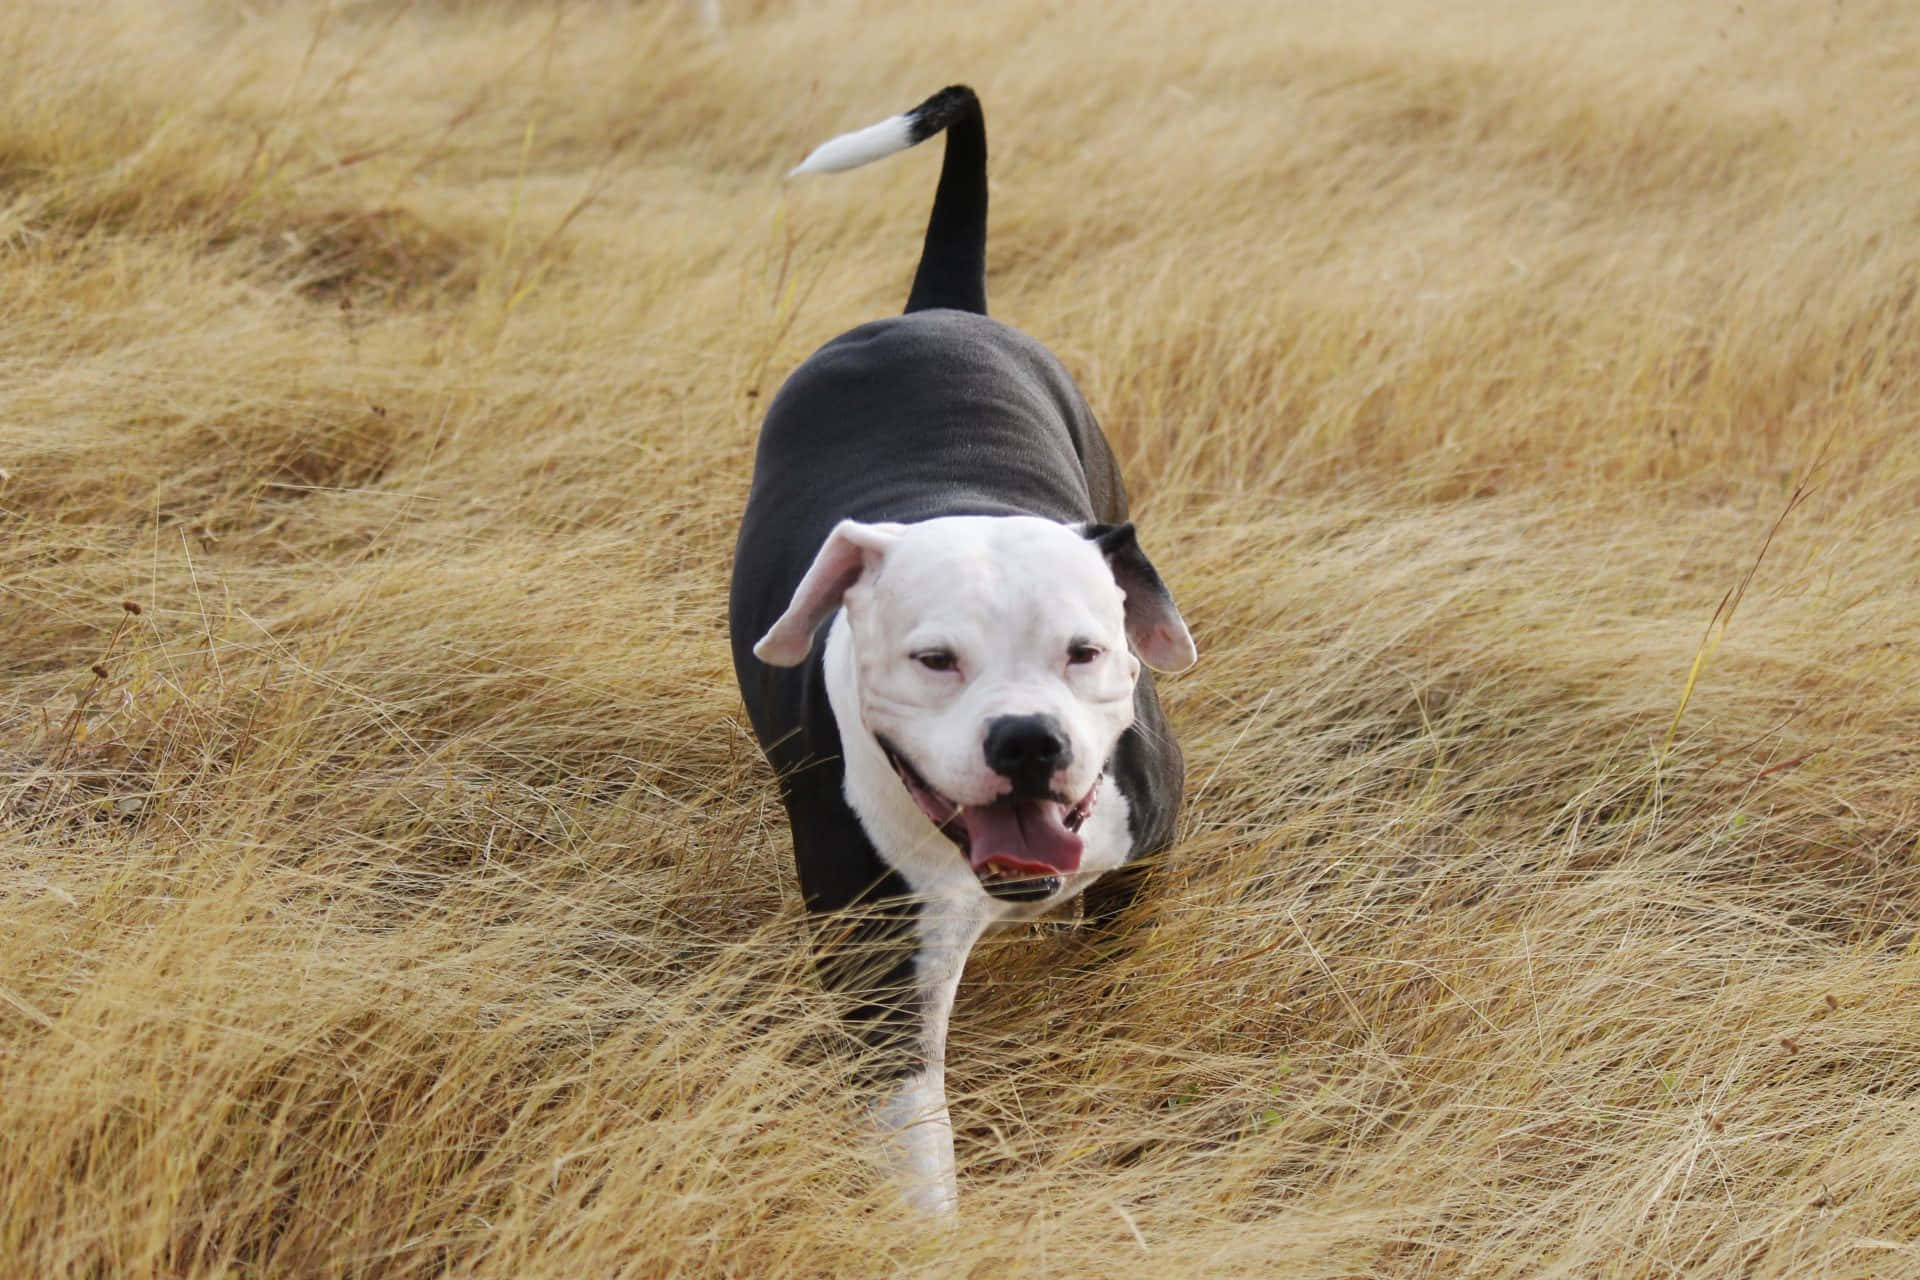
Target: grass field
pixel 1521 400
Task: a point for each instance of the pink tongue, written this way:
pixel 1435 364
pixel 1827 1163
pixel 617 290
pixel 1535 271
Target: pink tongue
pixel 1027 838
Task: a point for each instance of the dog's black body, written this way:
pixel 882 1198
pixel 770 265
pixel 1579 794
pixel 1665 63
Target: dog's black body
pixel 938 412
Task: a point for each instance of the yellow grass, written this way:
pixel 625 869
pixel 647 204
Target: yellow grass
pixel 407 899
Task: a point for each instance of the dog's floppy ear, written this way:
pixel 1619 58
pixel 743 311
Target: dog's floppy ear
pixel 851 550
pixel 1154 625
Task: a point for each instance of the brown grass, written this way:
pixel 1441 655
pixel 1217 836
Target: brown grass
pixel 408 900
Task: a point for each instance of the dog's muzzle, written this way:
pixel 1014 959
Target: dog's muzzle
pixel 1020 847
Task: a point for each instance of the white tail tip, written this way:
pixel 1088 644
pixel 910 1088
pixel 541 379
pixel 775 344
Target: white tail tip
pixel 862 146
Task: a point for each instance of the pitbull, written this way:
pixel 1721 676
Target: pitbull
pixel 939 615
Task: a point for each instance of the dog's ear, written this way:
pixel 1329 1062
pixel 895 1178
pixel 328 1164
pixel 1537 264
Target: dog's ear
pixel 1154 625
pixel 852 549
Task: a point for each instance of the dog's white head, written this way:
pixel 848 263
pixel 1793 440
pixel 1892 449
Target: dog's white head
pixel 995 661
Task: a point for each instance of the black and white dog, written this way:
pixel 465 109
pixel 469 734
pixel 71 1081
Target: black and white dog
pixel 937 607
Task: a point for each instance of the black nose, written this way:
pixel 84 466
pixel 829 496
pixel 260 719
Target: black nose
pixel 1027 750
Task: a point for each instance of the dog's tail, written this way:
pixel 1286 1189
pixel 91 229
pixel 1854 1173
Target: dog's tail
pixel 953 262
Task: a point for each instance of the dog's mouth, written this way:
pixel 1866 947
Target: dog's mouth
pixel 1013 842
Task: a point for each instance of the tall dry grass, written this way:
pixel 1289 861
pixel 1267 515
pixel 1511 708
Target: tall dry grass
pixel 402 896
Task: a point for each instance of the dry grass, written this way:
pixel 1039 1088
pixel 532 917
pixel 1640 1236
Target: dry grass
pixel 406 898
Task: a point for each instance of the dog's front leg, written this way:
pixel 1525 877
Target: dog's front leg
pixel 916 1130
pixel 894 962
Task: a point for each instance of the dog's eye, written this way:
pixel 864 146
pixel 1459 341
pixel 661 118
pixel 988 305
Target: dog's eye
pixel 1080 653
pixel 937 659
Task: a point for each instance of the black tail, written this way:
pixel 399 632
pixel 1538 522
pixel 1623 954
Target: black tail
pixel 953 261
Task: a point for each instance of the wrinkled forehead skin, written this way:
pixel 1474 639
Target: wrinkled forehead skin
pixel 1008 596
pixel 1000 576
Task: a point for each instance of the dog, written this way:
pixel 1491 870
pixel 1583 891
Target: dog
pixel 939 616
